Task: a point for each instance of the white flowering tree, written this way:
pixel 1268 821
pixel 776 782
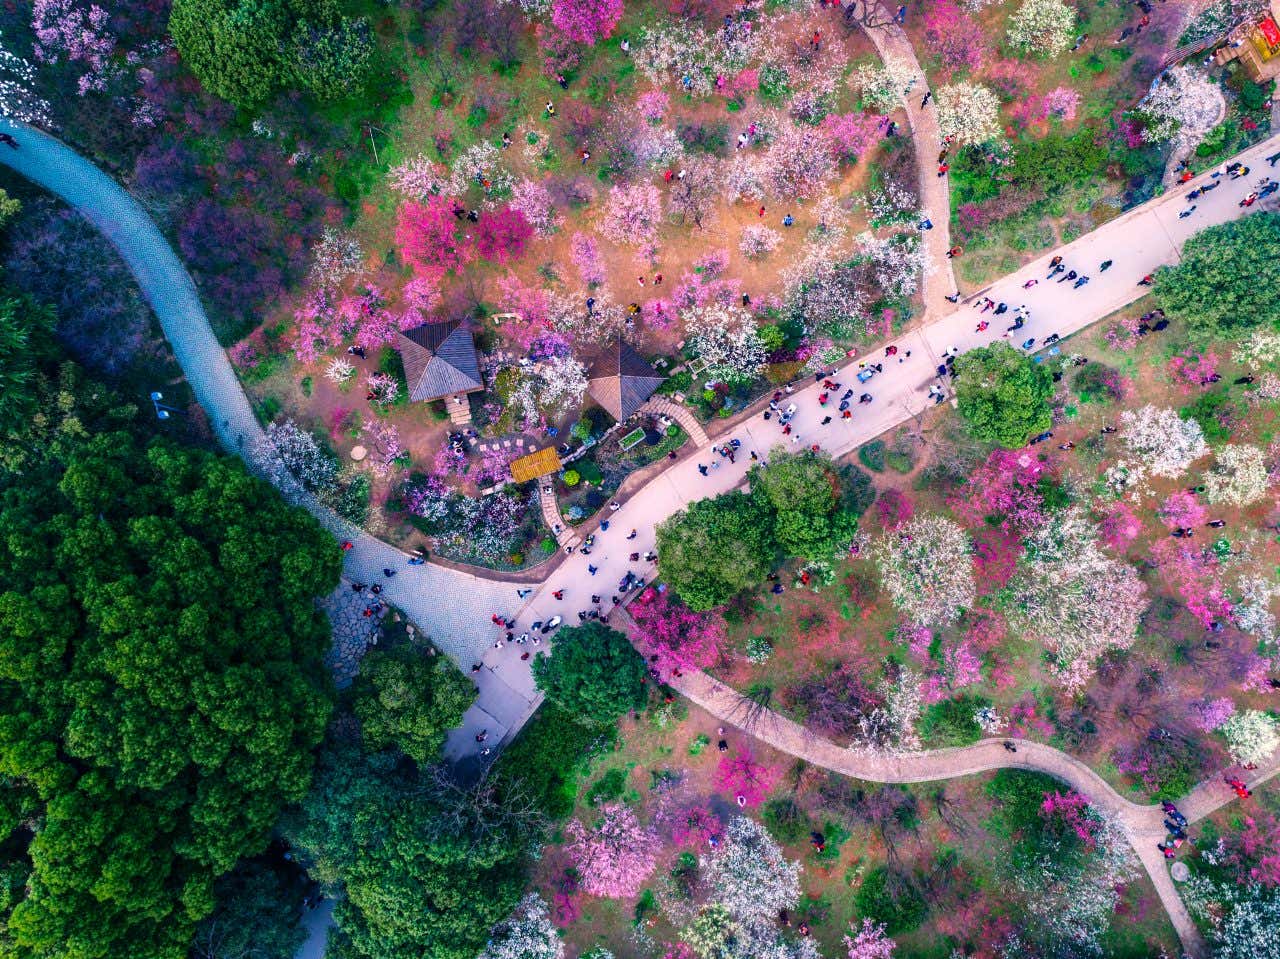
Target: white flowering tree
pixel 1185 104
pixel 339 371
pixel 418 177
pixel 336 256
pixel 757 241
pixel 632 213
pixel 479 162
pixel 288 451
pixel 899 260
pixel 551 387
pixel 1238 477
pixel 1074 597
pixel 528 934
pixel 533 200
pixel 1043 27
pixel 870 942
pixel 969 113
pixel 926 568
pixel 1242 917
pixel 748 874
pixel 1252 736
pixel 882 87
pixel 798 163
pixel 1260 350
pixel 726 339
pixel 18 97
pixel 1166 442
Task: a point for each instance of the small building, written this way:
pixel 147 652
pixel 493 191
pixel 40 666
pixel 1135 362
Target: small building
pixel 1256 44
pixel 620 380
pixel 533 465
pixel 440 360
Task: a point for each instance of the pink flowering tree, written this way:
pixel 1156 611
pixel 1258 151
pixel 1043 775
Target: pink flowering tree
pixel 586 21
pixel 653 105
pixel 533 201
pixel 1182 509
pixel 1060 103
pixel 869 942
pixel 894 508
pixel 584 253
pixel 429 237
pixel 748 781
pixel 632 214
pixel 954 37
pixel 66 31
pixel 1120 526
pixel 672 637
pixel 501 235
pixel 851 135
pixel 695 827
pixel 1005 488
pixel 1255 848
pixel 1197 576
pixel 616 855
pixel 1069 813
pixel 1192 371
pixel 1208 714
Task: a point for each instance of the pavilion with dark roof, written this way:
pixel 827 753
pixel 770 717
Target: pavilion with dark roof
pixel 619 379
pixel 439 360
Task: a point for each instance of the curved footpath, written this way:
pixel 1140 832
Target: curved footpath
pixel 453 607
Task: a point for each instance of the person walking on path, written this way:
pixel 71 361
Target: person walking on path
pixel 1080 282
pixel 1105 265
pixel 1187 212
pixel 901 16
pixel 924 102
pixel 8 140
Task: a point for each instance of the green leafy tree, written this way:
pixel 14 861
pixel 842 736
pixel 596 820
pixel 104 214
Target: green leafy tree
pixel 24 340
pixel 406 699
pixel 162 683
pixel 594 673
pixel 332 61
pixel 1227 278
pixel 256 916
pixel 815 505
pixel 9 208
pixel 1003 396
pixel 716 548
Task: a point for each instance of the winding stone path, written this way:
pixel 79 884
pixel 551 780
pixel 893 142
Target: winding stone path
pixel 453 607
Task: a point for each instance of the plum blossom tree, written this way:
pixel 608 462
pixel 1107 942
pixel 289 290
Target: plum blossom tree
pixel 527 934
pixel 429 237
pixel 533 201
pixel 880 86
pixel 740 775
pixel 799 162
pixel 286 450
pixel 969 113
pixel 336 256
pixel 1074 597
pixel 1163 440
pixel 1252 736
pixel 1043 27
pixel 551 388
pixel 501 234
pixel 1242 917
pixel 869 942
pixel 65 31
pixel 418 177
pixel 748 875
pixel 757 241
pixel 616 855
pixel 18 97
pixel 632 214
pixel 851 135
pixel 1185 104
pixel 926 567
pixel 726 339
pixel 672 637
pixel 586 21
pixel 1238 477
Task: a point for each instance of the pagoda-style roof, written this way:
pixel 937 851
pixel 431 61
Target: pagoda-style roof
pixel 619 379
pixel 439 360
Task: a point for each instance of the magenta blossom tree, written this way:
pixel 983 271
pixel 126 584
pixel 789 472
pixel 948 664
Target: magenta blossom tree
pixel 501 235
pixel 851 134
pixel 954 36
pixel 586 21
pixel 695 827
pixel 672 637
pixel 870 942
pixel 745 779
pixel 616 855
pixel 429 236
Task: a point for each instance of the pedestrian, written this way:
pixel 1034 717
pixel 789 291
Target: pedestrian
pixel 482 735
pixel 1182 216
pixel 1009 746
pixel 926 224
pixel 816 42
pixel 388 572
pixel 826 420
pixel 1243 380
pixel 942 154
pixel 1080 41
pixel 954 252
pixel 1104 266
pixel 787 220
pixel 1029 284
pixel 1271 160
pixel 1071 275
pixel 591 569
pixel 1146 280
pixel 8 140
pixel 1080 282
pixel 550 108
pixel 953 298
pixel 586 155
pixel 417 561
pixel 901 16
pixel 761 211
pixel 924 102
pixel 943 168
pixel 1249 200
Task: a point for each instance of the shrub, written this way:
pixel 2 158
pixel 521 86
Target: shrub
pixel 953 722
pixel 548 758
pixel 571 478
pixel 786 820
pixel 872 455
pixel 888 897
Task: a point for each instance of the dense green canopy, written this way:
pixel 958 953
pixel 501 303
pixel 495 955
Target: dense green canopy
pixel 716 548
pixel 1003 396
pixel 24 333
pixel 595 673
pixel 407 699
pixel 1227 279
pixel 161 684
pixel 816 505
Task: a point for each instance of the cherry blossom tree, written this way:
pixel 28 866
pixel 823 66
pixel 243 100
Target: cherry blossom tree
pixel 66 31
pixel 726 339
pixel 585 255
pixel 632 214
pixel 748 875
pixel 616 855
pixel 429 236
pixel 757 241
pixel 501 234
pixel 954 36
pixel 1252 736
pixel 1184 104
pixel 969 113
pixel 533 201
pixel 1238 477
pixel 851 135
pixel 869 942
pixel 418 177
pixel 672 637
pixel 1043 27
pixel 1075 598
pixel 586 21
pixel 745 779
pixel 925 566
pixel 880 86
pixel 527 934
pixel 1166 443
pixel 1209 714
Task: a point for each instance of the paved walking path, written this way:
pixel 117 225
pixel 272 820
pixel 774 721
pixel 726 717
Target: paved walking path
pixel 454 607
pixel 662 406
